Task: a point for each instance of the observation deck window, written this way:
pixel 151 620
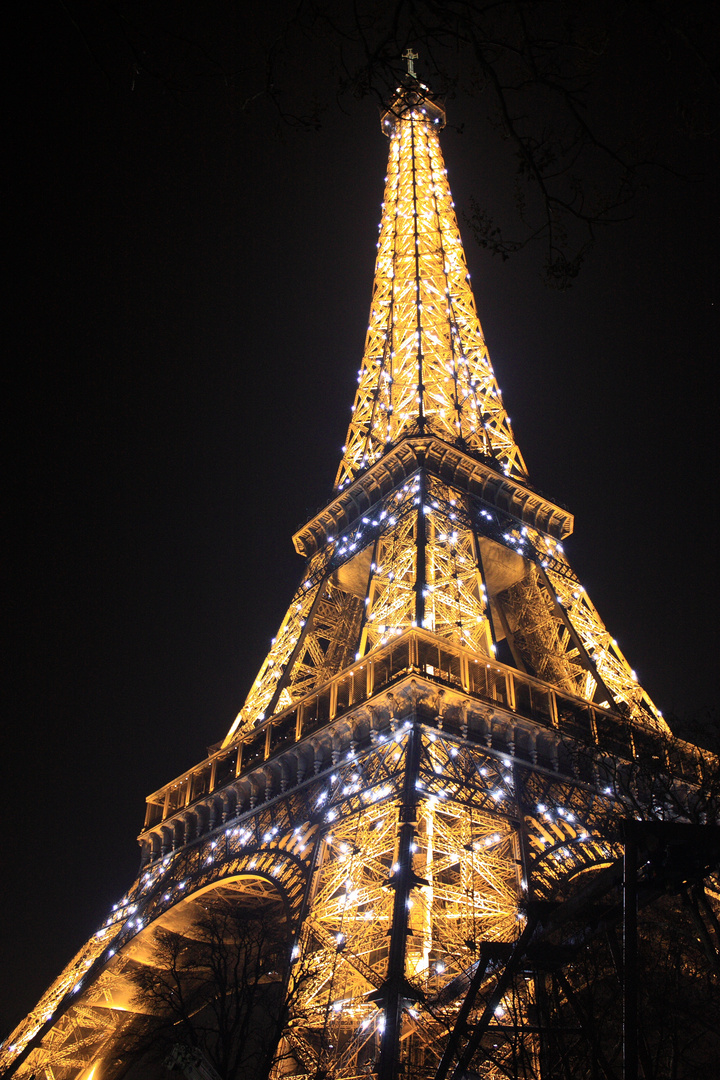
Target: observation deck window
pixel 575 718
pixel 253 750
pixel 225 767
pixel 200 784
pixel 283 733
pixel 176 798
pixel 488 683
pixel 533 702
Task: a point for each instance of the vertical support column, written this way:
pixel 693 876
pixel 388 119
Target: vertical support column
pixel 510 690
pixel 465 672
pixel 421 555
pixel 553 709
pixel 404 879
pixel 522 832
pixel 148 814
pixel 418 297
pixel 539 978
pixel 630 987
pixel 413 654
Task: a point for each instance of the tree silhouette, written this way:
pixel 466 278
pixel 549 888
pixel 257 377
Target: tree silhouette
pixel 582 101
pixel 219 986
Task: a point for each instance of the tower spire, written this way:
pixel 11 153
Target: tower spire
pixel 425 368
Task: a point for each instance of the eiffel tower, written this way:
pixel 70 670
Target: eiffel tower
pixel 426 783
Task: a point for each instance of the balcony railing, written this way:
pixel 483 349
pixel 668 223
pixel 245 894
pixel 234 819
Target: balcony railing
pixel 445 664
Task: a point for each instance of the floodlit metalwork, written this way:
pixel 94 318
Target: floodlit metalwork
pixel 429 769
pixel 426 367
pixel 426 373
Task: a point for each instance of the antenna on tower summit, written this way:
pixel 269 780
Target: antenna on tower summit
pixel 410 56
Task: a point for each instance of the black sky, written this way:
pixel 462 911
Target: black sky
pixel 188 301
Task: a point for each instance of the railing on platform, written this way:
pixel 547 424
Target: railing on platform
pixel 414 652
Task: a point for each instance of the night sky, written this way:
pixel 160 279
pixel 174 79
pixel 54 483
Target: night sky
pixel 190 287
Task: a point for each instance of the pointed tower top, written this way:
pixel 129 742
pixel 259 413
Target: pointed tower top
pixel 426 369
pixel 412 95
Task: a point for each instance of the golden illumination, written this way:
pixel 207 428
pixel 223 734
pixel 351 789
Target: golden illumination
pixel 426 374
pixel 426 367
pixel 364 778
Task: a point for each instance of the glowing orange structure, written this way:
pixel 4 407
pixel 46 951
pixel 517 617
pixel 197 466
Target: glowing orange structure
pixel 440 727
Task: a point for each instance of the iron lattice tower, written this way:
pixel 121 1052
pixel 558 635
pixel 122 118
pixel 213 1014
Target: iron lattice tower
pixel 429 770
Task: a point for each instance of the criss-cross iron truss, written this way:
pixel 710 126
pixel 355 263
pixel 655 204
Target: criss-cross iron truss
pixel 425 815
pixel 445 775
